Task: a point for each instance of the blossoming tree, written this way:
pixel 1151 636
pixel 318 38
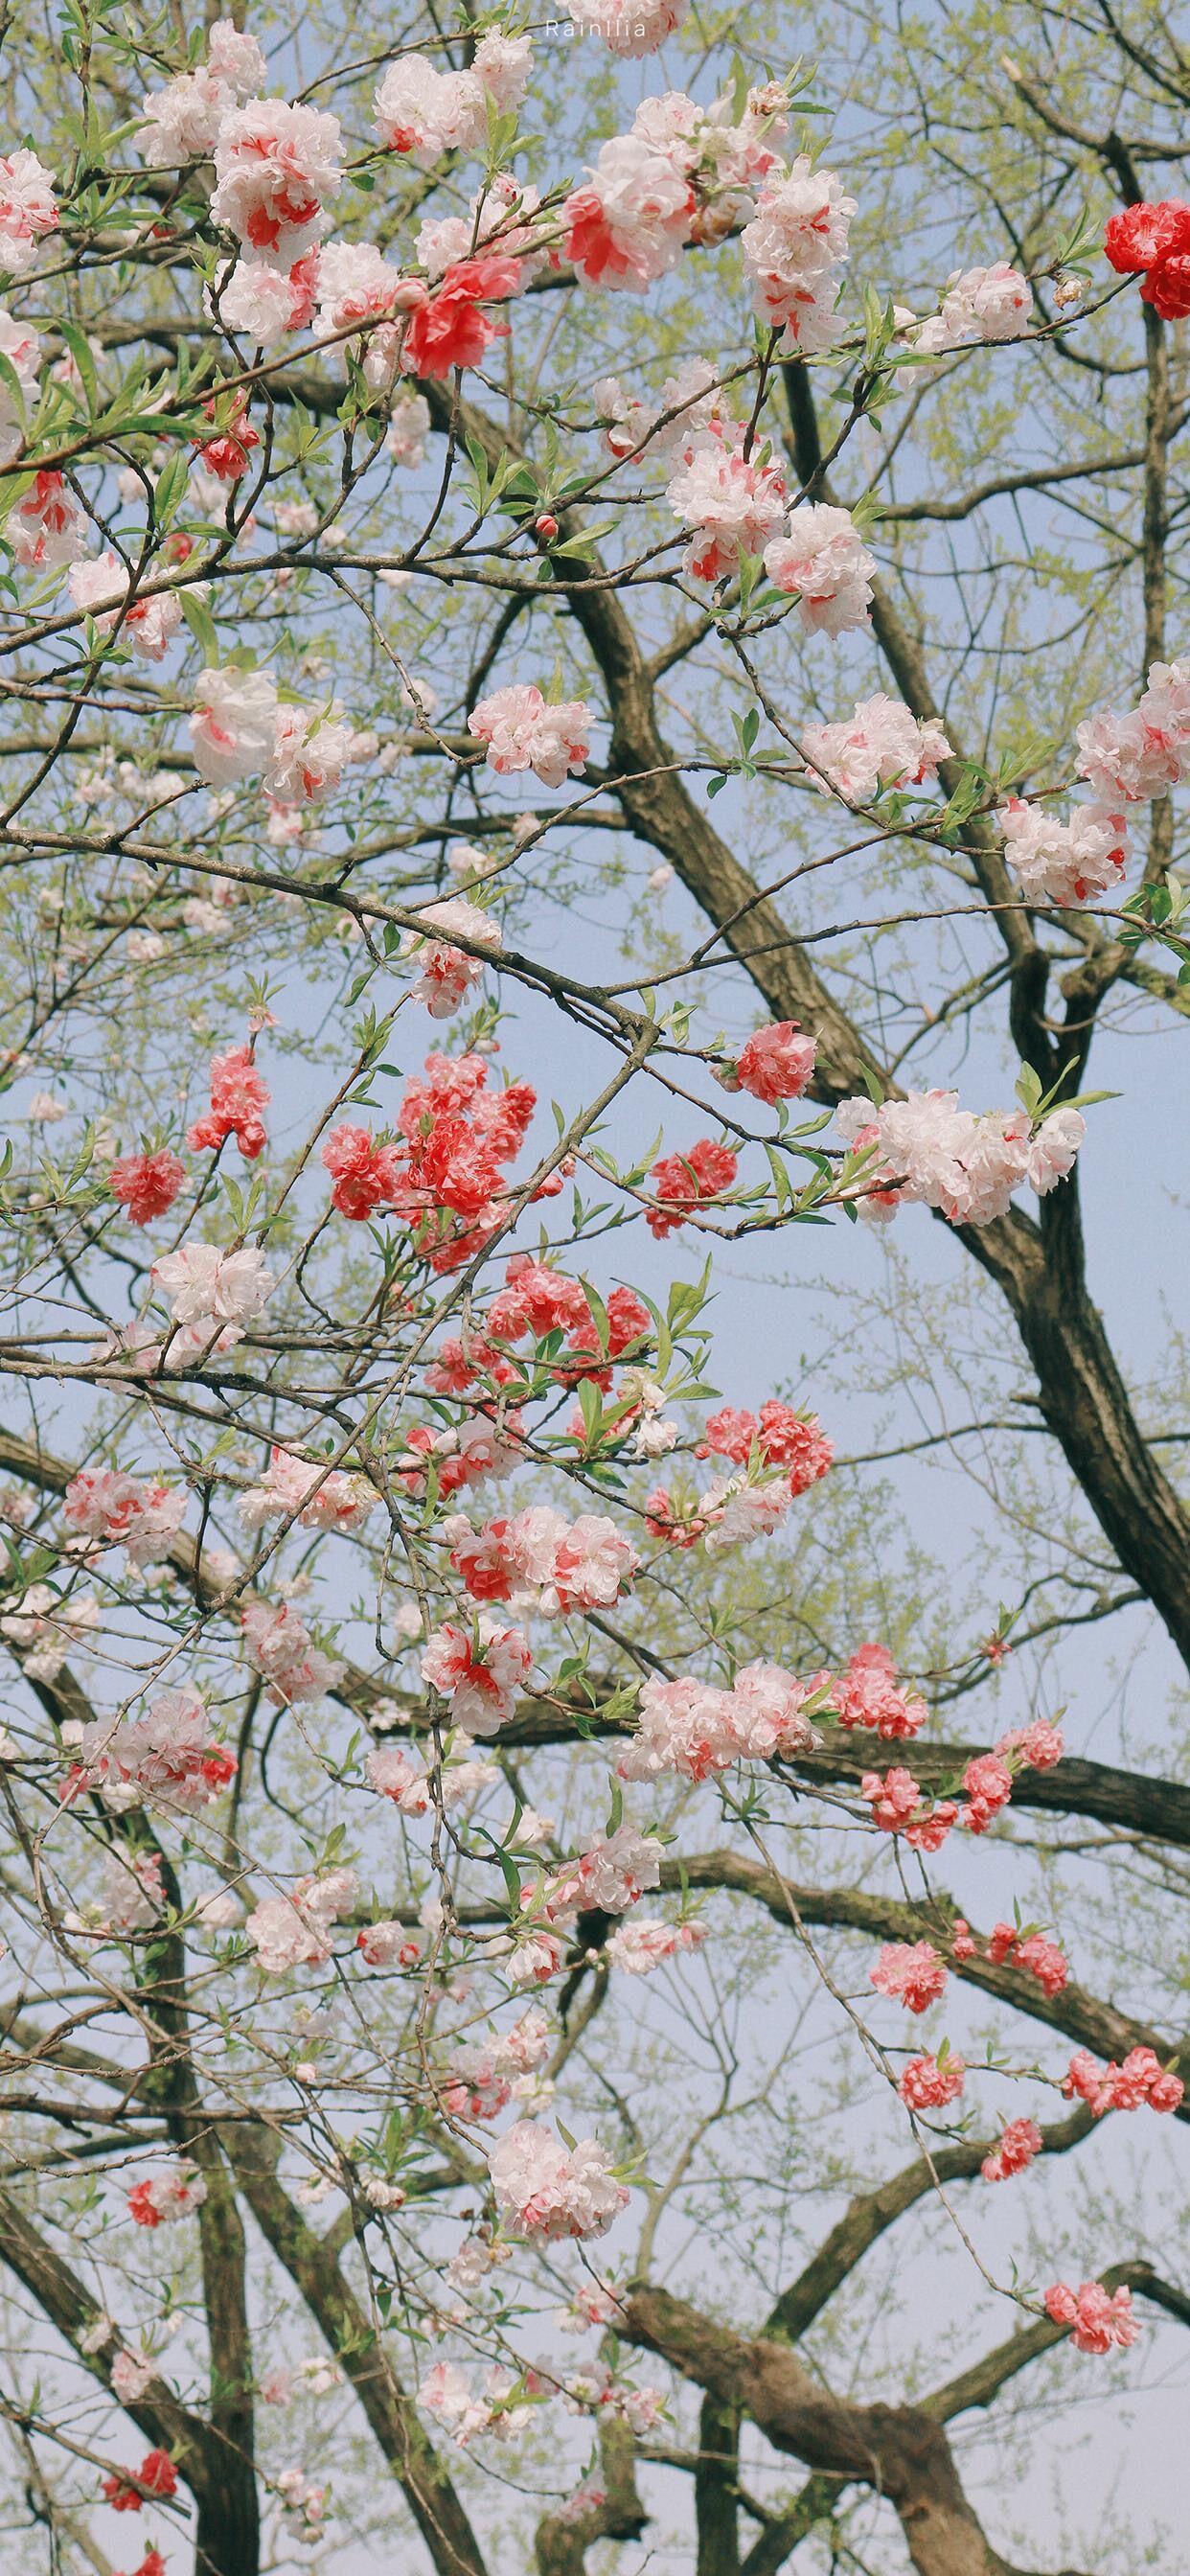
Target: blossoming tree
pixel 505 1935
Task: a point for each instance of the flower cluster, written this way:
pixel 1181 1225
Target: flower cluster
pixel 929 2083
pixel 879 745
pixel 979 304
pixel 540 1561
pixel 1064 863
pixel 295 1931
pixel 695 1729
pixel 689 1181
pixel 282 1651
pixel 928 1149
pixel 779 1436
pixel 1153 242
pixel 1020 2142
pixel 422 113
pixel 143 1516
pixel 1140 2079
pixel 1132 758
pixel 1097 2318
pixel 523 730
pixel 317 1499
pixel 546 2190
pixel 793 249
pixel 823 561
pixel 167 2195
pixel 165 1757
pixel 911 1972
pixel 239 1093
pixel 775 1063
pixel 240 729
pixel 479 1669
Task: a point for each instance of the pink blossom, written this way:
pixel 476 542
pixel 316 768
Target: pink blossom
pixel 545 2190
pixel 212 1292
pixel 611 1874
pixel 592 1565
pixel 1098 2318
pixel 239 1093
pixel 181 121
pixel 422 112
pixel 776 1063
pixel 28 210
pixel 792 250
pixel 628 32
pixel 1040 1745
pixel 276 169
pixel 262 301
pixel 233 728
pixel 165 1756
pixel 1140 2079
pixel 146 1185
pixel 879 745
pixel 1138 756
pixel 170 2193
pixel 294 1932
pixel 1020 2142
pixel 536 1956
pixel 628 225
pixel 944 1157
pixel 1036 1954
pixel 734 505
pixel 385 1945
pixel 365 1174
pixel 898 1807
pixel 448 973
pixel 910 1972
pixel 823 560
pixel 868 1695
pixel 449 328
pixel 393 1775
pixel 143 1516
pixel 1064 863
pixel 308 756
pixel 281 1649
pixel 979 304
pixel 637 1948
pixel 341 1502
pixel 19 343
pixel 445 2394
pixel 688 1181
pixel 988 1784
pixel 524 730
pixel 147 624
pixel 480 1670
pixel 47 528
pixel 929 2083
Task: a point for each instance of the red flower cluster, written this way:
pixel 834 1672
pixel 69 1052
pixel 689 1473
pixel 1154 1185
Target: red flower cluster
pixel 784 1438
pixel 238 1095
pixel 1020 2142
pixel 227 453
pixel 1155 241
pixel 156 2475
pixel 1141 2078
pixel 538 1300
pixel 687 1181
pixel 929 2083
pixel 449 330
pixel 443 1169
pixel 1040 1957
pixel 146 1184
